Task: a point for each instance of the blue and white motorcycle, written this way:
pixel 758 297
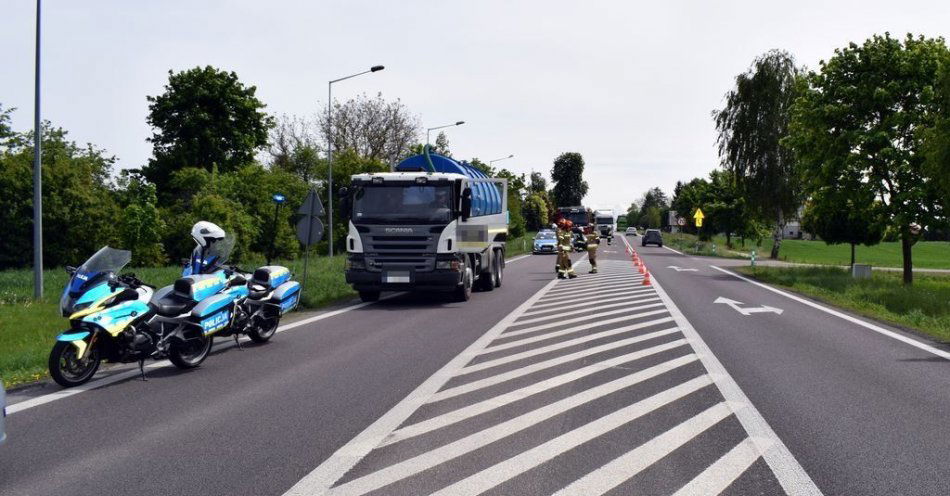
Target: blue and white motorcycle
pixel 118 318
pixel 262 297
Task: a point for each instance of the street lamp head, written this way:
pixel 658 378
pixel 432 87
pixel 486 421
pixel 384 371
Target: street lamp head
pixel 511 156
pixel 376 68
pixel 459 123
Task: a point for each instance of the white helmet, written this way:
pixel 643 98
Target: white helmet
pixel 206 233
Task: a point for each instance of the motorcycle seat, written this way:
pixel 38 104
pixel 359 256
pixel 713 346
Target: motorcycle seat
pixel 172 304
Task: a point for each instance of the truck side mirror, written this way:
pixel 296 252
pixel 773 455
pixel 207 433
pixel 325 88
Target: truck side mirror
pixel 466 204
pixel 343 192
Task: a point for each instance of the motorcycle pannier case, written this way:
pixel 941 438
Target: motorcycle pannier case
pixel 287 296
pixel 213 313
pixel 271 276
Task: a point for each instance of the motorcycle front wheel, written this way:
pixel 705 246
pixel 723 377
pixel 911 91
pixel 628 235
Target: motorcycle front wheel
pixel 67 369
pixel 190 354
pixel 263 330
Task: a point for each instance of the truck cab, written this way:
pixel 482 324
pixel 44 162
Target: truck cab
pixel 433 224
pixel 605 224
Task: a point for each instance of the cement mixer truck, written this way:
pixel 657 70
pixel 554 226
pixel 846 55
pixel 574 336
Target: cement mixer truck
pixel 433 224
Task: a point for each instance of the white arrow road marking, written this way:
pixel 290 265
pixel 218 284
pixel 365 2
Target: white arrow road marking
pixel 680 269
pixel 750 310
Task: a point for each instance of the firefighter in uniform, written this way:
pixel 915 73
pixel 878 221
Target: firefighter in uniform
pixel 592 241
pixel 564 269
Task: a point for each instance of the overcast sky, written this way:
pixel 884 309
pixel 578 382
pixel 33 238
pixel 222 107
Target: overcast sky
pixel 630 85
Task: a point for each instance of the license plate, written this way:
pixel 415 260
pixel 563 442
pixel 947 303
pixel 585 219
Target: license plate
pixel 397 277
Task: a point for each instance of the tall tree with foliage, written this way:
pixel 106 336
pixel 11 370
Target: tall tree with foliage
pixel 570 188
pixel 844 216
pixel 937 137
pixel 442 145
pixel 860 124
pixel 536 213
pixel 140 224
pixel 375 128
pixel 751 127
pixel 205 117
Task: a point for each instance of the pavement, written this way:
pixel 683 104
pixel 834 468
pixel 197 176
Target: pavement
pixel 701 382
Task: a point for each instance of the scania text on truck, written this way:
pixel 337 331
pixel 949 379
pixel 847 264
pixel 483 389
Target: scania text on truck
pixel 433 224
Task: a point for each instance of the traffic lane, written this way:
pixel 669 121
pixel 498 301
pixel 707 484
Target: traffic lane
pixel 863 413
pixel 252 421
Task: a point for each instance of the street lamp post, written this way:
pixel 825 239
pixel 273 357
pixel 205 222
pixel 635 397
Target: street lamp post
pixel 375 68
pixel 499 159
pixel 37 175
pixel 430 129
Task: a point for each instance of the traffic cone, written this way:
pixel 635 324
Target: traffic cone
pixel 646 279
pixel 643 268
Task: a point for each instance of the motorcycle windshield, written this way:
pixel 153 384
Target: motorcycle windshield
pixel 98 269
pixel 207 260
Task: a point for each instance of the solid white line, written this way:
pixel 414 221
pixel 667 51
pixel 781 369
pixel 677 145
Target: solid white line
pixel 551 307
pixel 322 478
pixel 721 474
pixel 455 449
pixel 468 387
pixel 674 251
pixel 786 468
pixel 527 460
pixel 455 416
pixel 589 310
pixel 567 344
pixel 519 257
pixel 571 330
pixel 878 329
pixel 134 372
pixel 626 466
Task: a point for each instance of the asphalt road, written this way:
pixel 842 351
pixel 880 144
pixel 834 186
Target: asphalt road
pixel 597 385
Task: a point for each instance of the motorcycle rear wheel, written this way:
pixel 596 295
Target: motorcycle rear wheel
pixel 190 354
pixel 264 330
pixel 68 370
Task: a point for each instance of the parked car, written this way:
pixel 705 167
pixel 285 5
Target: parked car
pixel 652 236
pixel 631 231
pixel 545 242
pixel 3 407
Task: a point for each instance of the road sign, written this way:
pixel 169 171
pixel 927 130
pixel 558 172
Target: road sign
pixel 680 221
pixel 698 217
pixel 311 205
pixel 309 230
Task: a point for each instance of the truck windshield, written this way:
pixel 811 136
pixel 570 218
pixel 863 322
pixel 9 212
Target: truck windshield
pixel 577 218
pixel 403 204
pixel 605 220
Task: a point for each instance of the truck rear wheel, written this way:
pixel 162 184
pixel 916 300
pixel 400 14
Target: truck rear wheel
pixel 369 296
pixel 487 280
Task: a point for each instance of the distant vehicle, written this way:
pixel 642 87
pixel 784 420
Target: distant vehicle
pixel 545 242
pixel 606 225
pixel 3 406
pixel 579 216
pixel 652 236
pixel 631 231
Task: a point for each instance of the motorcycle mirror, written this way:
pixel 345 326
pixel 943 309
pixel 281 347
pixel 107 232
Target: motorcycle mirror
pixel 70 269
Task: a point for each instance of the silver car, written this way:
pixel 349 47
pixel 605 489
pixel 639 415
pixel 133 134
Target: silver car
pixel 3 406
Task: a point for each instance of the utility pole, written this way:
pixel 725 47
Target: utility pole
pixel 37 175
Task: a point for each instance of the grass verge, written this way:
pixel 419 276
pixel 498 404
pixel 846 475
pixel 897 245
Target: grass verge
pixel 922 306
pixel 926 254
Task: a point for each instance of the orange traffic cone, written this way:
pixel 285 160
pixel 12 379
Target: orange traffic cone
pixel 643 268
pixel 646 279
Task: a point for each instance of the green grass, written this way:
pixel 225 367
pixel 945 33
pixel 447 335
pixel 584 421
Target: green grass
pixel 922 306
pixel 520 246
pixel 926 254
pixel 28 328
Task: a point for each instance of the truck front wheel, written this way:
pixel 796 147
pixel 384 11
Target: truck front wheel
pixel 464 291
pixel 369 296
pixel 499 267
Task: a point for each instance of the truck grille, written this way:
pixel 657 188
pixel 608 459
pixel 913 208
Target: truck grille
pixel 413 250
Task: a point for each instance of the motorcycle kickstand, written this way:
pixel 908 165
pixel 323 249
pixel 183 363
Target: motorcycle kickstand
pixel 238 342
pixel 142 369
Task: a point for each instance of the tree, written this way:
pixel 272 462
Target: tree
pixel 79 211
pixel 442 145
pixel 844 216
pixel 375 128
pixel 294 147
pixel 633 214
pixel 751 126
pixel 516 190
pixel 205 117
pixel 538 183
pixel 568 177
pixel 141 226
pixel 936 138
pixel 860 125
pixel 535 211
pixel 687 197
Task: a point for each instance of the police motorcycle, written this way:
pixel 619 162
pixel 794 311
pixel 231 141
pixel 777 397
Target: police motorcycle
pixel 118 318
pixel 261 297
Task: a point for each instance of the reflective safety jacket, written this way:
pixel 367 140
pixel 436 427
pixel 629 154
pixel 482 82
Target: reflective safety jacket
pixel 564 240
pixel 592 241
